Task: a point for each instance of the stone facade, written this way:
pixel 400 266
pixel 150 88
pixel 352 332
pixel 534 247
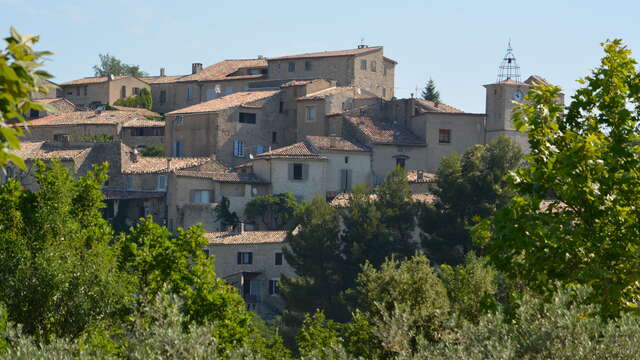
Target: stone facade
pixel 90 92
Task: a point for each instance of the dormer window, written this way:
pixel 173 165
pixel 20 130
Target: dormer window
pixel 292 67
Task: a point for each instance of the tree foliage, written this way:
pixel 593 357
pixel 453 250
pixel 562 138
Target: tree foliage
pixel 110 65
pixel 153 151
pixel 430 92
pixel 276 212
pixel 143 100
pixel 19 77
pixel 587 164
pixel 58 271
pixel 224 214
pixel 468 186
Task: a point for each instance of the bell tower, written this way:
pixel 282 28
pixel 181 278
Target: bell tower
pixel 501 96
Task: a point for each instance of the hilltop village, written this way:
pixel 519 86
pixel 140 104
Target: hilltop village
pixel 308 124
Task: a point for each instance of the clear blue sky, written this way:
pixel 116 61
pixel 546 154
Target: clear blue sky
pixel 457 43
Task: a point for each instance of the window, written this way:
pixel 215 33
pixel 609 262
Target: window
pixel 401 162
pixel 247 118
pixel 161 182
pixel 259 149
pixel 363 64
pixel 245 258
pixel 163 96
pixel 78 91
pixel 201 196
pixel 307 65
pixel 158 131
pixel 129 182
pixel 297 172
pixel 136 91
pixel 238 148
pixel 373 66
pixel 177 149
pixel 274 289
pixel 292 67
pixel 34 114
pixel 254 71
pixel 278 258
pixel 384 92
pixel 206 252
pixel 189 93
pixel 123 91
pixel 310 113
pixel 346 159
pixel 210 93
pixel 61 137
pixel 274 137
pixel 228 90
pixel 384 69
pixel 85 90
pixel 281 107
pixel 137 132
pixel 179 120
pixel 345 180
pixel 279 66
pixel 444 136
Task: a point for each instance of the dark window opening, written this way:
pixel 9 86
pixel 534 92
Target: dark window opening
pixel 444 136
pixel 163 96
pixel 245 258
pixel 297 171
pixel 34 114
pixel 247 118
pixel 85 90
pixel 281 108
pixel 401 162
pixel 278 258
pixel 123 91
pixel 292 67
pixel 274 289
pixel 346 159
pixel 307 65
pixel 274 137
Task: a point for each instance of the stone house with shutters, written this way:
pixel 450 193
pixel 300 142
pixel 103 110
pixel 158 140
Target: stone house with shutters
pixel 232 127
pixel 90 92
pixel 253 262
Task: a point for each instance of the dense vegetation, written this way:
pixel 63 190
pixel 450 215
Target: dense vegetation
pixel 142 100
pixel 110 65
pixel 539 280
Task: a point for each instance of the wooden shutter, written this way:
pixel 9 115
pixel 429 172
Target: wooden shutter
pixel 343 179
pixel 239 258
pixel 305 171
pixel 348 180
pixel 250 258
pixel 290 171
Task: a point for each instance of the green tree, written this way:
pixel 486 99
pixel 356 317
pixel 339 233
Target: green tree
pixel 587 164
pixel 58 272
pixel 153 151
pixel 276 212
pixel 468 186
pixel 142 100
pixel 430 92
pixel 315 254
pixel 318 338
pixel 224 214
pixel 19 77
pixel 157 259
pixel 110 65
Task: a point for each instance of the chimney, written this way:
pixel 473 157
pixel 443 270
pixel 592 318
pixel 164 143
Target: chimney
pixel 230 228
pixel 162 72
pixel 332 141
pixel 420 175
pixel 110 77
pixel 241 228
pixel 168 164
pixel 135 156
pixel 196 68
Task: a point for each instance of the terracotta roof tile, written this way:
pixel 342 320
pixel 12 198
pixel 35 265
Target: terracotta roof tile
pixel 225 102
pixel 247 237
pixel 428 105
pixel 342 200
pixel 224 70
pixel 382 132
pixel 141 111
pixel 33 150
pixel 91 80
pixel 326 92
pixel 300 150
pixel 162 79
pixel 119 194
pixel 226 177
pixel 335 143
pixel 159 165
pixel 536 80
pixel 349 52
pixel 49 101
pixel 84 117
pixel 420 176
pixel 296 83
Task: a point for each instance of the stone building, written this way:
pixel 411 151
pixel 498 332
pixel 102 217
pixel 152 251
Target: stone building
pixel 253 262
pixel 90 92
pixel 59 104
pixel 101 126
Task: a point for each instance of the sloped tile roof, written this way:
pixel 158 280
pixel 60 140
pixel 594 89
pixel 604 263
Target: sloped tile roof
pixel 335 143
pixel 225 177
pixel 318 95
pixel 119 194
pixel 32 150
pixel 247 237
pixel 224 69
pixel 162 79
pixel 225 102
pixel 296 83
pixel 91 80
pixel 84 117
pixel 141 111
pixel 382 132
pixel 50 101
pixel 299 150
pixel 348 52
pixel 343 200
pixel 536 80
pixel 427 177
pixel 429 105
pixel 159 165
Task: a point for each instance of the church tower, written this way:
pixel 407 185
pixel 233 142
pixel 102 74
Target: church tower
pixel 501 96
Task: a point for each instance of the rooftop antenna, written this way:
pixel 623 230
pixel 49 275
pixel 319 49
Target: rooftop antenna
pixel 509 68
pixel 362 45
